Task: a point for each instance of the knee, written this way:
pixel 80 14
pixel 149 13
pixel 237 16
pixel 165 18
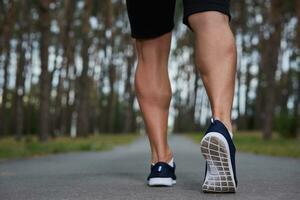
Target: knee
pixel 154 51
pixel 149 60
pixel 208 20
pixel 212 27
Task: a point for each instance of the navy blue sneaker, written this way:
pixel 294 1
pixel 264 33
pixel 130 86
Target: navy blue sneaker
pixel 219 152
pixel 162 174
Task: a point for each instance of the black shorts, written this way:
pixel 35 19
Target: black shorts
pixel 153 18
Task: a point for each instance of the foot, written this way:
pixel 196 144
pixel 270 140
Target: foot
pixel 219 152
pixel 162 174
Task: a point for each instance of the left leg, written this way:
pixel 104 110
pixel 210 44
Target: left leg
pixel 216 61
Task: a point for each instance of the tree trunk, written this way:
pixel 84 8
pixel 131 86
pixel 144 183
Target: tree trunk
pixel 297 99
pixel 129 93
pixel 83 82
pixel 45 76
pixel 20 74
pixel 63 88
pixel 245 119
pixel 269 62
pixel 112 69
pixel 19 91
pixel 239 84
pixel 193 109
pixel 6 25
pixel 5 48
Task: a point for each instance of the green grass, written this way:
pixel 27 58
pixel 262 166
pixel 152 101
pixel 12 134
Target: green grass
pixel 30 146
pixel 252 142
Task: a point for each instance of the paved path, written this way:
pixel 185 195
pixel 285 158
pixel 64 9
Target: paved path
pixel 120 174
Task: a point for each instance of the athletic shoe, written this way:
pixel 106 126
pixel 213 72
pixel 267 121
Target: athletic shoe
pixel 219 152
pixel 162 174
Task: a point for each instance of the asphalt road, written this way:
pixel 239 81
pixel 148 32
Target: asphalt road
pixel 121 173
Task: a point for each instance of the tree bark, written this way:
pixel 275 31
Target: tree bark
pixel 195 120
pixel 129 93
pixel 66 39
pixel 112 69
pixel 20 74
pixel 45 76
pixel 19 92
pixel 5 48
pixel 83 81
pixel 245 120
pixel 297 99
pixel 269 62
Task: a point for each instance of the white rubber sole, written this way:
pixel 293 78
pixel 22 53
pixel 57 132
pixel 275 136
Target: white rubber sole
pixel 219 176
pixel 161 182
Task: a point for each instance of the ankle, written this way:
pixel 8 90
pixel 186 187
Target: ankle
pixel 228 126
pixel 227 122
pixel 154 160
pixel 165 157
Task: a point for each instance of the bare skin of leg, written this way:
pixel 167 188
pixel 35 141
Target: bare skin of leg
pixel 153 92
pixel 216 61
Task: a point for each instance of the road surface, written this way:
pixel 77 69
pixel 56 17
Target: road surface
pixel 121 173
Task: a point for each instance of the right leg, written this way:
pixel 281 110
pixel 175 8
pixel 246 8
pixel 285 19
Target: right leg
pixel 153 92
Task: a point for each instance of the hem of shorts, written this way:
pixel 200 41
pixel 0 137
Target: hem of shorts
pixel 151 36
pixel 209 8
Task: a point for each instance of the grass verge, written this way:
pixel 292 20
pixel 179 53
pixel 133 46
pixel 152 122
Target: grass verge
pixel 252 142
pixel 30 146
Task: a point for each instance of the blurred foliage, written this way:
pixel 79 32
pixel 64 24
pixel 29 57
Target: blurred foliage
pixel 252 142
pixel 30 146
pixel 286 125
